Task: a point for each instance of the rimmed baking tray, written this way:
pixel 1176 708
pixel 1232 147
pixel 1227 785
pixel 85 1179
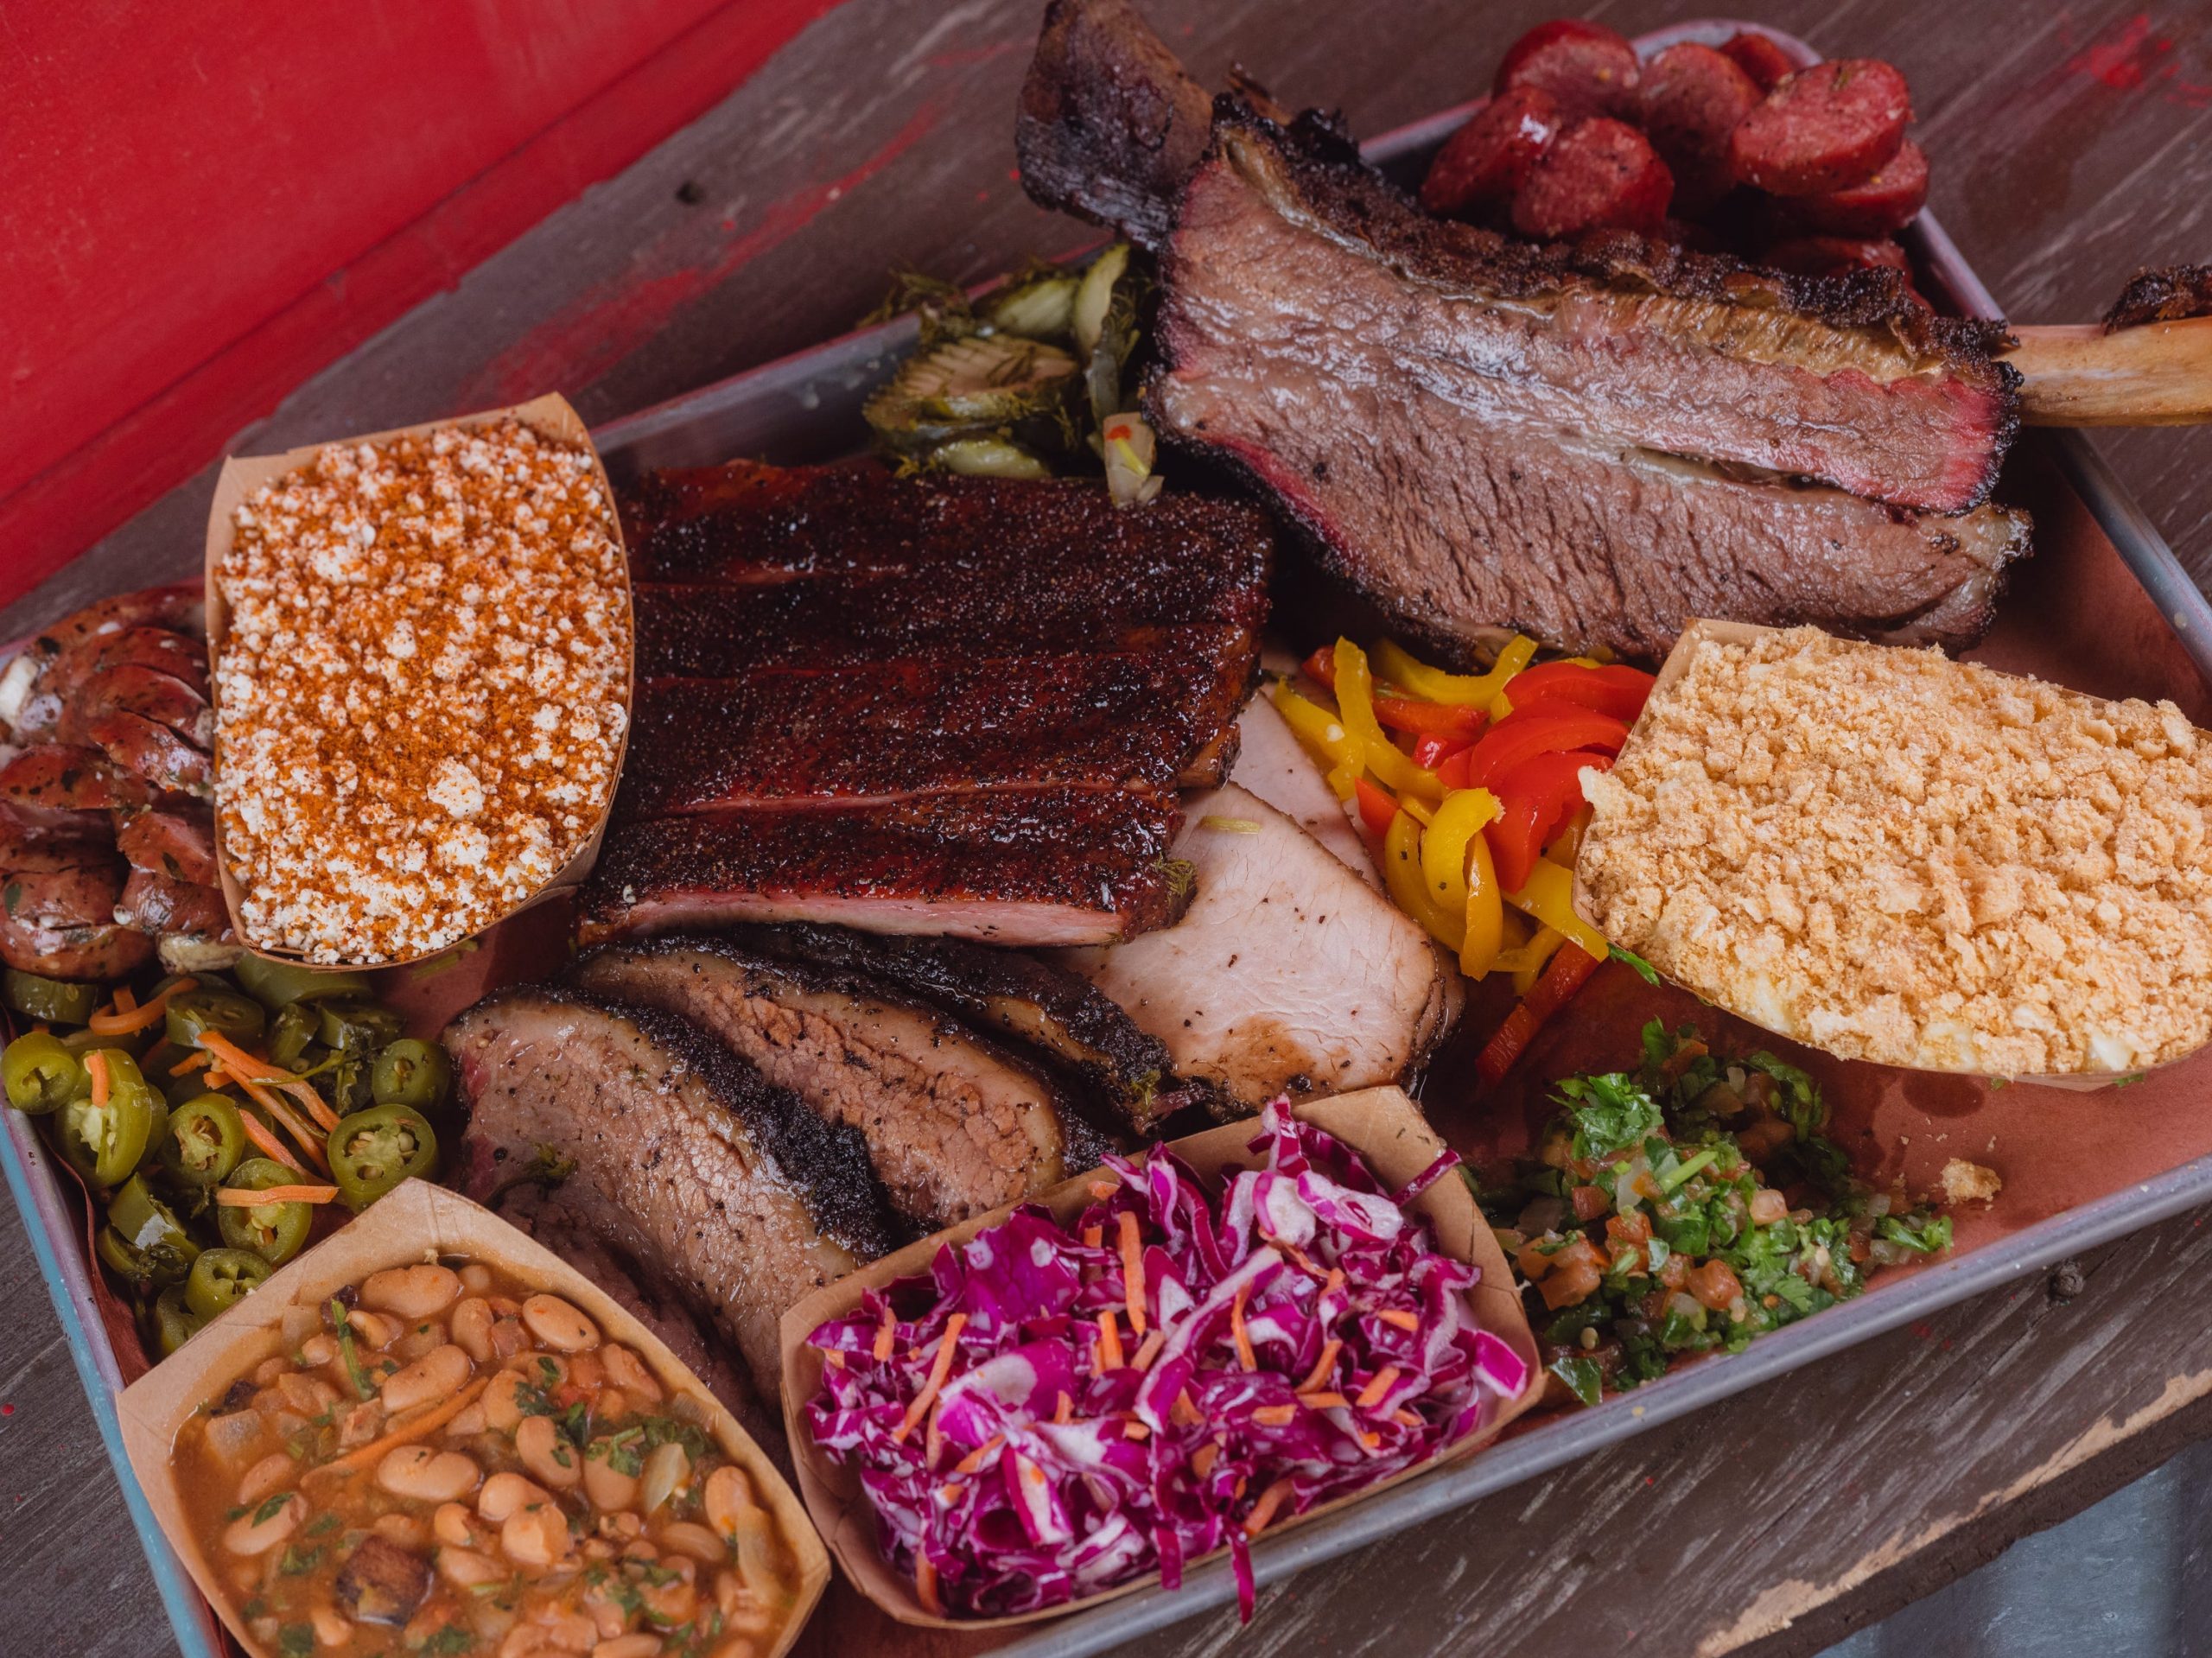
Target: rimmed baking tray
pixel 806 407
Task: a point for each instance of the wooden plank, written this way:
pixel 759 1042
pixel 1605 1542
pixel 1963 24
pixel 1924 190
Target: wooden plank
pixel 2068 148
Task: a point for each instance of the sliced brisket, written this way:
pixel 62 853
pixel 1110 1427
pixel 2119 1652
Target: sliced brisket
pixel 1050 1013
pixel 955 1125
pixel 1033 866
pixel 684 1157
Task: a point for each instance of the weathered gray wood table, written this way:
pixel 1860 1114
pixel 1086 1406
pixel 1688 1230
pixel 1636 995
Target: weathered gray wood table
pixel 2068 147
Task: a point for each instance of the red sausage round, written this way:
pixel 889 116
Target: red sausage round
pixel 1767 64
pixel 1483 163
pixel 1824 129
pixel 1599 173
pixel 1885 203
pixel 1587 67
pixel 1691 99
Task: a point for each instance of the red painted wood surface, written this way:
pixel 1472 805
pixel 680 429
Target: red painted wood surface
pixel 204 205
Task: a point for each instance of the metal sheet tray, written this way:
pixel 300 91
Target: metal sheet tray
pixel 805 406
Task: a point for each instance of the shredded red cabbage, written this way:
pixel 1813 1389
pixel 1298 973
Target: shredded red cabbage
pixel 1038 1474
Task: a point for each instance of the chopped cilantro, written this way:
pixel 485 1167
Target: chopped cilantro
pixel 1582 1376
pixel 1609 1114
pixel 297 1641
pixel 271 1508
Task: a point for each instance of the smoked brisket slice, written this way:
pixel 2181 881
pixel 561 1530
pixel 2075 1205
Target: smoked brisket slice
pixel 673 1150
pixel 1034 866
pixel 1361 361
pixel 956 1125
pixel 1050 1013
pixel 891 731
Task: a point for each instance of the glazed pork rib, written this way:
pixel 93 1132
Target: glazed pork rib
pixel 980 696
pixel 891 731
pixel 679 1155
pixel 1590 443
pixel 1032 866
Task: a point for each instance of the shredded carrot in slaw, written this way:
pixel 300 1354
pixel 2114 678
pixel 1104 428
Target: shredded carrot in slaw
pixel 1133 1271
pixel 1399 1318
pixel 887 1336
pixel 1149 1349
pixel 940 1367
pixel 1264 1511
pixel 1245 1356
pixel 1378 1386
pixel 1275 1416
pixel 1322 1366
pixel 973 1459
pixel 1110 1341
pixel 1323 1401
pixel 925 1586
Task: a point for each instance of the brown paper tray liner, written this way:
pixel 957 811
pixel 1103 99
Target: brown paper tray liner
pixel 415 1223
pixel 1694 637
pixel 1381 1124
pixel 550 416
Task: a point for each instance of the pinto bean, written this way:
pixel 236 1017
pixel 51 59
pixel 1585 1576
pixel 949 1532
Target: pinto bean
pixel 437 1375
pixel 427 1476
pixel 412 1292
pixel 271 1475
pixel 472 1328
pixel 546 1454
pixel 558 1325
pixel 265 1526
pixel 536 1535
pixel 506 1494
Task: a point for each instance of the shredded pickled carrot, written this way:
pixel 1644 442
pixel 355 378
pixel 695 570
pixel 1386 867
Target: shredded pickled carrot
pixel 1264 1510
pixel 1378 1386
pixel 1149 1349
pixel 1322 1366
pixel 1275 1416
pixel 267 1143
pixel 1323 1401
pixel 248 1197
pixel 1245 1356
pixel 240 1063
pixel 190 1062
pixel 973 1459
pixel 1110 1341
pixel 1400 1319
pixel 313 1103
pixel 124 1002
pixel 128 1018
pixel 1092 1235
pixel 925 1586
pixel 96 1067
pixel 887 1336
pixel 1132 1271
pixel 940 1367
pixel 309 1141
pixel 409 1430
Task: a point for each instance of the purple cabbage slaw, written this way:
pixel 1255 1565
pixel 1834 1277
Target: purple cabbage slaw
pixel 997 1509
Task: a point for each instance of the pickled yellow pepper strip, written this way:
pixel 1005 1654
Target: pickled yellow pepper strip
pixel 1471 690
pixel 1444 846
pixel 1486 930
pixel 1402 874
pixel 1549 897
pixel 1356 708
pixel 1325 736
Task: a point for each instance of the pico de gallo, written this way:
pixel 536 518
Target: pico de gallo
pixel 1470 787
pixel 1688 1207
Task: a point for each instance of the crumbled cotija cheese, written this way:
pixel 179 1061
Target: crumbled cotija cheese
pixel 1902 858
pixel 423 691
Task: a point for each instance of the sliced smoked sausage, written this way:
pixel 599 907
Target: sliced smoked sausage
pixel 1587 67
pixel 1599 173
pixel 1486 161
pixel 1823 129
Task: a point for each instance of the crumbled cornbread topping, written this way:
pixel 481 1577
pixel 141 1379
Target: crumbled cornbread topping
pixel 423 691
pixel 1970 1182
pixel 1915 861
